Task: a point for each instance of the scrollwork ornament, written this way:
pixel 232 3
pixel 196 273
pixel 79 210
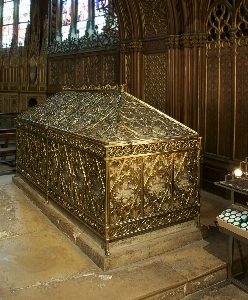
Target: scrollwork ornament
pixel 93 87
pixel 185 41
pixel 124 47
pixel 172 41
pixel 108 37
pixel 136 46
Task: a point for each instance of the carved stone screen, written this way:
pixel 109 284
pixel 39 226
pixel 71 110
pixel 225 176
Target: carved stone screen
pixel 115 163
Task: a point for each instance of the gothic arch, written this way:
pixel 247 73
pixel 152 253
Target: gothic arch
pixel 219 22
pixel 214 5
pixel 147 18
pixel 129 19
pixel 175 17
pixel 240 18
pixel 124 19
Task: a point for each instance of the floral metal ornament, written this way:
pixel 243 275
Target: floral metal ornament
pixel 115 163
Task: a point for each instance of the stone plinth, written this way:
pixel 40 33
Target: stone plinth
pixel 122 252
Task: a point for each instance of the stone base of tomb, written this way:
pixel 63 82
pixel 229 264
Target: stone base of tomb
pixel 123 252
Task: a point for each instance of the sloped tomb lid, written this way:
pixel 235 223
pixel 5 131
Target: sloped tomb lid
pixel 106 116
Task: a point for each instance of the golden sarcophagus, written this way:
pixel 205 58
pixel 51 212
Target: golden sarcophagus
pixel 115 163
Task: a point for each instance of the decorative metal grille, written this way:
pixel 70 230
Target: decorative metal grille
pixel 115 163
pixel 109 36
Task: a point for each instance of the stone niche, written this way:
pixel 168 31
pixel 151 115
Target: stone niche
pixel 118 166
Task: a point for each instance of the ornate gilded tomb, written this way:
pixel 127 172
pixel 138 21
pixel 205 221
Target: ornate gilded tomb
pixel 115 163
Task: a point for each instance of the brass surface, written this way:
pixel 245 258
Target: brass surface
pixel 117 164
pixel 108 87
pixel 106 116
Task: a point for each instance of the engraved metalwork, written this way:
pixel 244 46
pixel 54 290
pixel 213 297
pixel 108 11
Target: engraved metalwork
pixel 92 87
pixel 109 37
pixel 118 165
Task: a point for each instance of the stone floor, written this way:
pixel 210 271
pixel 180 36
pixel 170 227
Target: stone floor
pixel 37 261
pixel 219 292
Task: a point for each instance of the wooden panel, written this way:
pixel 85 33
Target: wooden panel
pixel 241 124
pixel 155 75
pixel 212 102
pixel 225 106
pixel 83 69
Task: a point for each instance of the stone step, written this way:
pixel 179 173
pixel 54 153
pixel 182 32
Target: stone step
pixel 186 270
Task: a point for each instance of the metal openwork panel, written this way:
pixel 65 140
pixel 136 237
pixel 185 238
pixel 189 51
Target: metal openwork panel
pixel 118 165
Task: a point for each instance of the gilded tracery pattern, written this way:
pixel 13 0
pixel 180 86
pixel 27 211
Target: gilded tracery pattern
pixel 75 147
pixel 155 80
pixel 155 16
pixel 242 20
pixel 219 24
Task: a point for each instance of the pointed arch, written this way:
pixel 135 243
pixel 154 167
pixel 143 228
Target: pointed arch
pixel 219 22
pixel 129 19
pixel 175 17
pixel 241 18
